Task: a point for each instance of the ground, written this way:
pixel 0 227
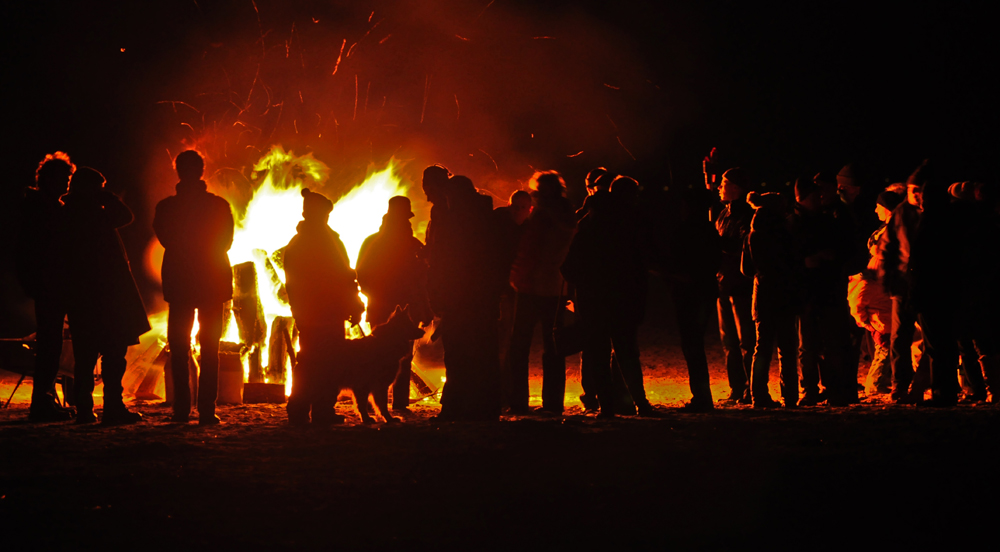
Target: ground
pixel 868 476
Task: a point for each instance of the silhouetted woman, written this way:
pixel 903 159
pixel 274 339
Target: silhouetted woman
pixel 105 309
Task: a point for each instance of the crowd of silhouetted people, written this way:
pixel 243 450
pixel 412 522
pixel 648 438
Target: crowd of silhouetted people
pixel 848 268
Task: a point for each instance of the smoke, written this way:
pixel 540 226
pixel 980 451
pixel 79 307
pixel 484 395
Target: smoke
pixel 493 90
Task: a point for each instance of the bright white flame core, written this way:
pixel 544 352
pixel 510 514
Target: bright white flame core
pixel 275 210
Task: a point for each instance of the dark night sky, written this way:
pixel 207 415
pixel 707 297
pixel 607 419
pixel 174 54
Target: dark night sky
pixel 783 91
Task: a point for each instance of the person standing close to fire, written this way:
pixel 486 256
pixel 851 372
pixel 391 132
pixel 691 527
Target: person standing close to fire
pixel 323 293
pixel 391 273
pixel 606 264
pixel 468 277
pixel 195 228
pixel 536 279
pixel 105 309
pixel 40 273
pixel 770 257
pixel 510 225
pixel 736 326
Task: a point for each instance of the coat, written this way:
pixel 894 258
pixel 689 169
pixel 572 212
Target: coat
pixel 103 301
pixel 390 272
pixel 771 258
pixel 320 282
pixel 196 231
pixel 543 248
pixel 38 254
pixel 733 226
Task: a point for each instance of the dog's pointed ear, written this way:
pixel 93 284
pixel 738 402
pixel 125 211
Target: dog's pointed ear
pixel 406 309
pixel 398 310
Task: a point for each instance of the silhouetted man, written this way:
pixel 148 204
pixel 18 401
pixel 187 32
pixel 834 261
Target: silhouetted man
pixel 468 277
pixel 605 263
pixel 736 326
pixel 824 249
pixel 598 184
pixel 40 272
pixel 690 257
pixel 105 309
pixel 323 293
pixel 391 273
pixel 510 226
pixel 536 278
pixel 196 231
pixel 771 258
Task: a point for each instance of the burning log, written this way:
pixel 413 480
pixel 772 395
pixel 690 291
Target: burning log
pixel 279 348
pixel 249 314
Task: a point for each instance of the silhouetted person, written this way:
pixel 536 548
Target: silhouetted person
pixel 978 273
pixel 323 293
pixel 469 277
pixel 539 285
pixel 771 258
pixel 105 309
pixel 871 306
pixel 510 225
pixel 934 258
pixel 606 264
pixel 690 262
pixel 896 273
pixel 823 248
pixel 598 184
pixel 40 271
pixel 736 326
pixel 195 228
pixel 391 273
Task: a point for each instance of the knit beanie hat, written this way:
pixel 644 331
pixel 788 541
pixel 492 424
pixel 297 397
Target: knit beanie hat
pixel 315 205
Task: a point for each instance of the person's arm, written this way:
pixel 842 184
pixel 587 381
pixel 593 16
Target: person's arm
pixel 115 211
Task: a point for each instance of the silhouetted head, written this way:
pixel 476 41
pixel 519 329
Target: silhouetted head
pixel 852 180
pixel 86 181
pixel 435 181
pixel 594 177
pixel 53 172
pixel 520 206
pixel 399 208
pixel 735 185
pixel 885 203
pixel 459 188
pixel 625 191
pixel 315 207
pixel 769 210
pixel 189 165
pixel 546 185
pixel 915 185
pixel 827 182
pixel 965 191
pixel 807 194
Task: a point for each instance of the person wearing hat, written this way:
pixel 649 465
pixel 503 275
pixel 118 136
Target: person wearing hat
pixel 195 228
pixel 105 309
pixel 821 330
pixel 322 293
pixel 391 273
pixel 39 270
pixel 736 326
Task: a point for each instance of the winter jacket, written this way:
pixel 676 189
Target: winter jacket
pixel 38 255
pixel 321 285
pixel 733 225
pixel 103 301
pixel 196 231
pixel 543 248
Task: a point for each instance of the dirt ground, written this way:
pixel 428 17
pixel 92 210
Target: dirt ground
pixel 868 476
